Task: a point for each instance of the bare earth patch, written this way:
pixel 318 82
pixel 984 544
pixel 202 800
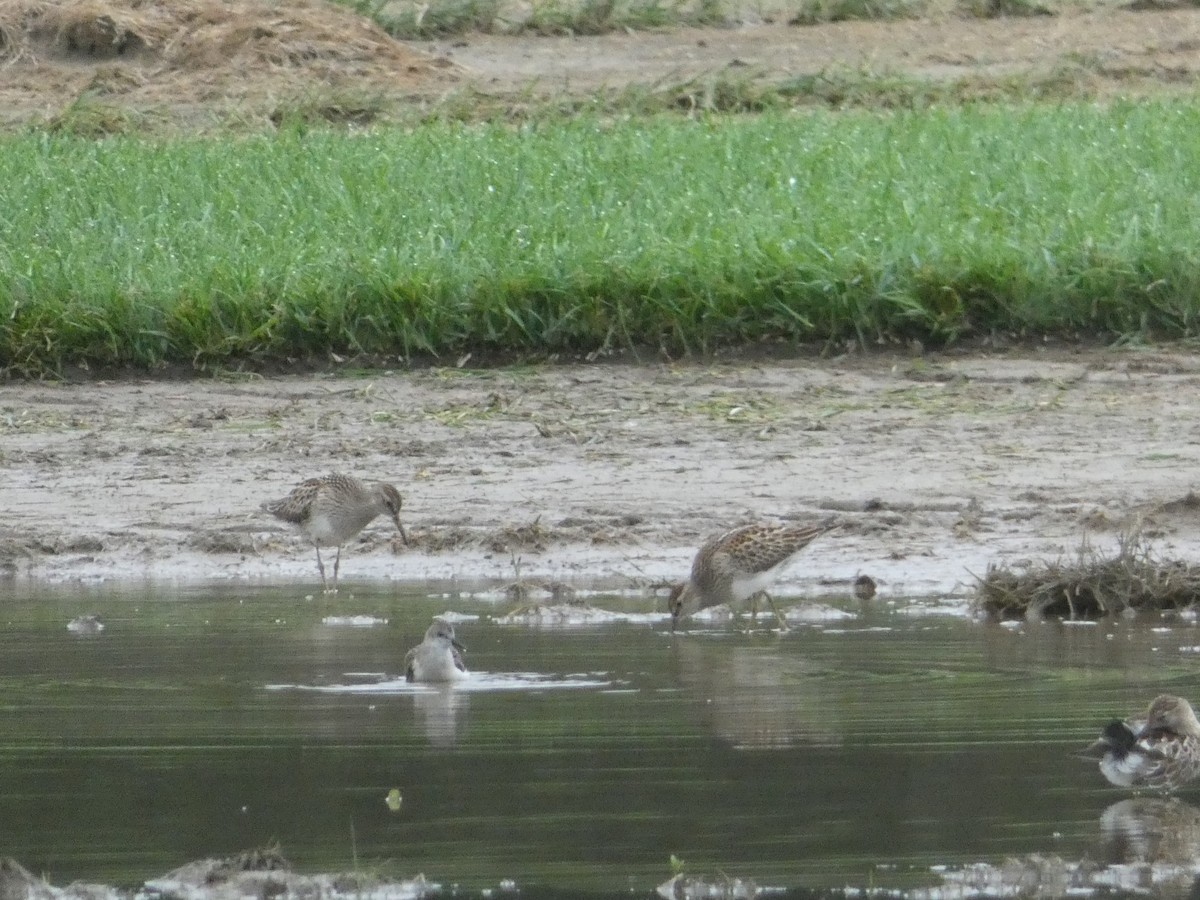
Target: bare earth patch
pixel 1111 50
pixel 194 63
pixel 613 473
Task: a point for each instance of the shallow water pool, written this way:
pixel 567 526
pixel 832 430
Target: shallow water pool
pixel 891 745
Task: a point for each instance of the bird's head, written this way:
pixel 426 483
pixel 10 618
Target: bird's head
pixel 681 602
pixel 392 503
pixel 1174 714
pixel 441 630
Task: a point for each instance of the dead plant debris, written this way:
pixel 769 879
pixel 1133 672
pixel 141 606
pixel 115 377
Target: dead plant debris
pixel 1090 587
pixel 305 55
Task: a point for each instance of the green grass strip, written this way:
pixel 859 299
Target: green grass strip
pixel 580 236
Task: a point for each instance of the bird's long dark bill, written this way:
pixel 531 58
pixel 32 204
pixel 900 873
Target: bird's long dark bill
pixel 403 533
pixel 457 645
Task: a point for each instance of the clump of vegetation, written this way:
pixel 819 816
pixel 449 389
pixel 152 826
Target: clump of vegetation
pixel 443 18
pixel 814 12
pixel 417 19
pixel 348 108
pixel 996 9
pixel 1090 587
pixel 89 117
pixel 433 20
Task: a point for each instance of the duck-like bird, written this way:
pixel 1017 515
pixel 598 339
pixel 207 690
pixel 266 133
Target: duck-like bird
pixel 1157 751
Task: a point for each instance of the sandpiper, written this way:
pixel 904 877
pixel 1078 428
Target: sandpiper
pixel 741 564
pixel 438 657
pixel 1158 751
pixel 334 508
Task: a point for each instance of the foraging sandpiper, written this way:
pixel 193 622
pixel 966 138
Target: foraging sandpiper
pixel 741 564
pixel 438 657
pixel 1159 750
pixel 334 508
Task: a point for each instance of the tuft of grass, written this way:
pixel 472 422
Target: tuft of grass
pixel 575 17
pixel 995 9
pixel 87 116
pixel 814 12
pixel 726 93
pixel 430 20
pixel 337 107
pixel 843 88
pixel 1091 586
pixel 586 17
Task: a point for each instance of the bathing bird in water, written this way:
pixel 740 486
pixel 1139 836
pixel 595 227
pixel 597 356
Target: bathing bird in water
pixel 334 508
pixel 438 657
pixel 741 564
pixel 1158 750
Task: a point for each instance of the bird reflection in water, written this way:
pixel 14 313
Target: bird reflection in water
pixel 1147 846
pixel 755 696
pixel 440 711
pixel 1151 829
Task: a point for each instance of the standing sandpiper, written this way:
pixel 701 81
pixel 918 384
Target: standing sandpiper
pixel 438 657
pixel 741 564
pixel 334 508
pixel 1159 750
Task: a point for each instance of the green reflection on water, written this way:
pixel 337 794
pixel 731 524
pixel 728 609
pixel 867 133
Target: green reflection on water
pixel 807 759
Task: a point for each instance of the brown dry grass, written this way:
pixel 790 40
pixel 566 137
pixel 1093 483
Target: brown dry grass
pixel 201 52
pixel 198 34
pixel 1090 587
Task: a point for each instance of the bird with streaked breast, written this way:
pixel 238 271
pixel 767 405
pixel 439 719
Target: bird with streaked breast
pixel 741 564
pixel 332 509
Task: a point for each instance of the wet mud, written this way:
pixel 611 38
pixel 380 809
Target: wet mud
pixel 612 474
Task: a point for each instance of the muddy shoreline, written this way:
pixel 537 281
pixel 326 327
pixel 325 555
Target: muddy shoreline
pixel 611 474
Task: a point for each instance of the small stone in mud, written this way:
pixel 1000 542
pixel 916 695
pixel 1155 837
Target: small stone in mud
pixel 85 545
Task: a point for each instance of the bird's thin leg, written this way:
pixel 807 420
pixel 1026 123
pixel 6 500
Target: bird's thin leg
pixel 336 562
pixel 321 569
pixel 783 625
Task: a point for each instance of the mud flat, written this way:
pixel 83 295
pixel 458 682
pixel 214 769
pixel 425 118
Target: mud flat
pixel 612 473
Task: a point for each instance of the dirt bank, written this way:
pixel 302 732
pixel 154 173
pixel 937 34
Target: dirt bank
pixel 115 65
pixel 611 473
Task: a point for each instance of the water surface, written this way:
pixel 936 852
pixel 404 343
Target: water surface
pixel 857 751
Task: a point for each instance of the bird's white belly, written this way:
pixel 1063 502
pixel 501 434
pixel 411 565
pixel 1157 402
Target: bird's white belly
pixel 744 586
pixel 436 667
pixel 1124 772
pixel 324 531
pixel 321 531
